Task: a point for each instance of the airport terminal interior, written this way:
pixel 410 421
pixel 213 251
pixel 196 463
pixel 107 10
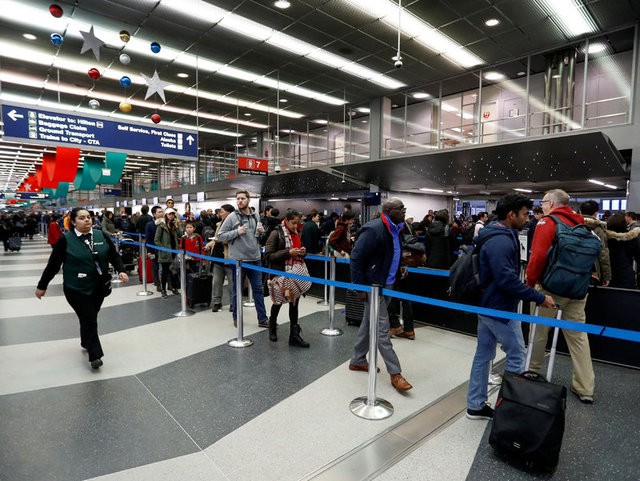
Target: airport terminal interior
pixel 110 105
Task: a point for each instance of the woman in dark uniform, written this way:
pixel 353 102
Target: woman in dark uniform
pixel 85 254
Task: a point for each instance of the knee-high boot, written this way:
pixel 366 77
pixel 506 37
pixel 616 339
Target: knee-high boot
pixel 273 322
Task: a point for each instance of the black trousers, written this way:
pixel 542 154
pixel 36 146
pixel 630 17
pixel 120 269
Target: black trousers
pixel 86 308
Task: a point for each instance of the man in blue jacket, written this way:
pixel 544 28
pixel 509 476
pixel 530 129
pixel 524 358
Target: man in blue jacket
pixel 375 259
pixel 499 274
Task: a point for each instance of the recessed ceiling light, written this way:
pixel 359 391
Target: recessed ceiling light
pixel 364 110
pixel 420 95
pixel 247 114
pixel 494 76
pixel 492 22
pixel 183 75
pixel 426 189
pixel 238 145
pixel 282 4
pixel 320 121
pixel 555 76
pixel 283 100
pixel 29 36
pixel 521 73
pixel 364 121
pixel 527 191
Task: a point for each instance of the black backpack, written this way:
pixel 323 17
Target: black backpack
pixel 570 260
pixel 464 275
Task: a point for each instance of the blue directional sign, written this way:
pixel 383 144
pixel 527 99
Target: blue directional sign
pixel 32 195
pixel 62 128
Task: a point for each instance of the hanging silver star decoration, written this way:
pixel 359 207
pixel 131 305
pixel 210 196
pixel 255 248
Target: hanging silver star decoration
pixel 91 42
pixel 155 86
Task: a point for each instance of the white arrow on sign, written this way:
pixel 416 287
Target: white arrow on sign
pixel 13 115
pixel 190 139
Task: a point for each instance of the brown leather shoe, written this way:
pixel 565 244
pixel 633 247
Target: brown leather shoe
pixel 400 383
pixel 407 335
pixel 360 367
pixel 394 331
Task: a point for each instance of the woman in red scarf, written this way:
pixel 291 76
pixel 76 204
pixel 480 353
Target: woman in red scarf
pixel 284 252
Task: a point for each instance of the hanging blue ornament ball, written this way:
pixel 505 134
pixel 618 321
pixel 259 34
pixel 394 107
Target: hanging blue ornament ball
pixel 125 81
pixel 155 47
pixel 56 39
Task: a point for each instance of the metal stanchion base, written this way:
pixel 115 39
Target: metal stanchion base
pixel 186 313
pixel 248 304
pixel 239 343
pixel 322 302
pixel 495 379
pixel 381 409
pixel 144 293
pixel 331 332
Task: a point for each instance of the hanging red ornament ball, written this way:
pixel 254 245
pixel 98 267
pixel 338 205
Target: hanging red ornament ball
pixel 155 118
pixel 93 73
pixel 56 10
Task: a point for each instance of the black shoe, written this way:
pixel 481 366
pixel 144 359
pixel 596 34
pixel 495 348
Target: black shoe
pixel 263 324
pixel 216 307
pixel 176 292
pixel 96 363
pixel 295 339
pixel 164 294
pixel 485 413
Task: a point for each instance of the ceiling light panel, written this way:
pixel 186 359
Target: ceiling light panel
pixel 570 16
pixel 418 30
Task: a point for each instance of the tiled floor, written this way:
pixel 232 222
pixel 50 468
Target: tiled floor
pixel 174 402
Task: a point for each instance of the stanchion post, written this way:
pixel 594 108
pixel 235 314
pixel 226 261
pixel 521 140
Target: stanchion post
pixel 331 330
pixel 240 341
pixel 324 301
pixel 143 266
pixel 370 407
pixel 184 312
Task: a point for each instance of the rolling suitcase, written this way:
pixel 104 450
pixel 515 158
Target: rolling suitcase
pixel 199 287
pixel 354 308
pixel 149 269
pixel 14 243
pixel 528 421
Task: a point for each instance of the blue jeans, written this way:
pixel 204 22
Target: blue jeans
pixel 490 332
pixel 255 280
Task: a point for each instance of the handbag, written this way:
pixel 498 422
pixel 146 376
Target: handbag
pixel 284 289
pixel 174 267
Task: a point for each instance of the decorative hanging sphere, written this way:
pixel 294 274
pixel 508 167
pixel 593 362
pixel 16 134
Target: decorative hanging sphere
pixel 56 10
pixel 125 36
pixel 125 107
pixel 56 39
pixel 93 73
pixel 155 47
pixel 125 81
pixel 155 118
pixel 125 59
pixel 94 104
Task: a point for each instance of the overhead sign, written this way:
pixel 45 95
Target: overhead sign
pixel 62 128
pixel 253 166
pixel 113 192
pixel 32 195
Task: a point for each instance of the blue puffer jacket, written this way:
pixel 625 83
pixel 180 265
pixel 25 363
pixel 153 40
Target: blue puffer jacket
pixel 499 268
pixel 372 254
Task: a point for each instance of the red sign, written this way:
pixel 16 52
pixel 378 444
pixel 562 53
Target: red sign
pixel 253 166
